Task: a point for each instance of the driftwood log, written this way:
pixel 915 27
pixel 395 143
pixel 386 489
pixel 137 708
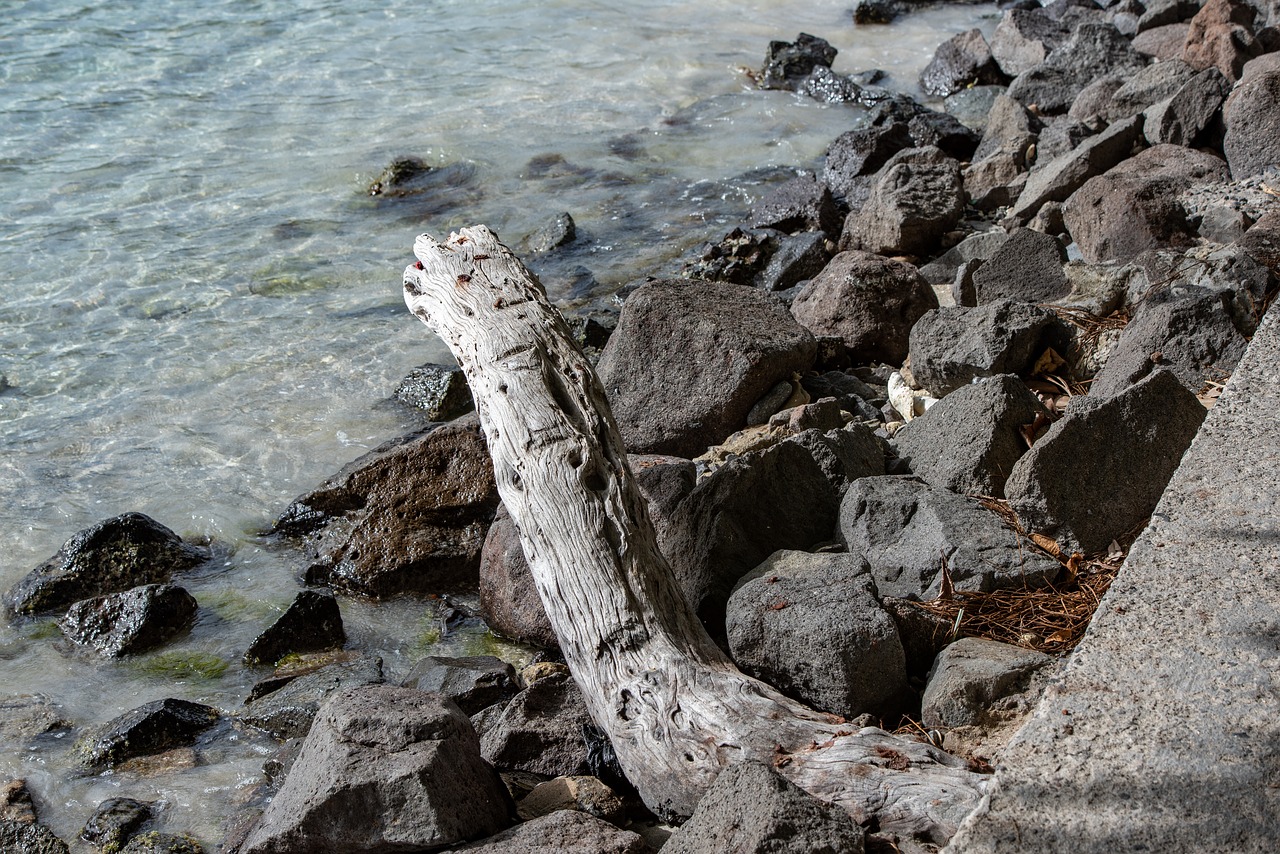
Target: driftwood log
pixel 674 706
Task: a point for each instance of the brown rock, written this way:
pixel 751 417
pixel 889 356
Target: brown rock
pixel 1221 36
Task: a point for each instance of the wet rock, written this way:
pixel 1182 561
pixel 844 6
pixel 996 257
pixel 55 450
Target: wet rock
pixel 980 246
pixel 1134 205
pixel 109 557
pixel 561 832
pixel 1221 36
pixel 383 769
pixel 969 440
pixel 473 682
pixel 1027 267
pixel 285 705
pixel 20 830
pixel 870 12
pixel 24 717
pixel 559 231
pixel 798 258
pixel 812 626
pixel 1193 336
pixel 826 86
pixel 786 64
pixel 750 808
pixel 1162 43
pixel 801 204
pixel 952 346
pixel 115 821
pixel 916 198
pixel 149 729
pixel 441 391
pixel 407 517
pixel 1023 39
pixel 739 257
pixel 130 622
pixel 399 175
pixel 970 675
pixel 155 842
pixel 541 730
pixel 1147 86
pixel 1252 118
pixel 906 529
pixel 508 597
pixel 1058 178
pixel 870 302
pixel 930 128
pixel 857 155
pixel 690 359
pixel 961 61
pixel 312 623
pixel 1100 470
pixel 1054 84
pixel 582 793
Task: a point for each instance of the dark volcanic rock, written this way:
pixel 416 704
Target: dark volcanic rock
pixel 312 623
pixel 952 346
pixel 114 821
pixel 130 622
pixel 155 842
pixel 1134 205
pixel 739 257
pixel 980 245
pixel 1182 118
pixel 786 64
pixel 284 706
pixel 399 176
pixel 1252 118
pixel 868 301
pixel 109 557
pixel 542 730
pixel 20 830
pixel 151 728
pixel 1221 36
pixel 917 197
pixel 1162 43
pixel 384 769
pixel 441 391
pixel 24 717
pixel 1027 267
pixel 1147 86
pixel 473 682
pixel 559 231
pixel 408 517
pixel 811 626
pixel 857 155
pixel 1100 470
pixel 906 529
pixel 749 808
pixel 689 360
pixel 1024 38
pixel 507 596
pixel 1054 84
pixel 798 258
pixel 970 675
pixel 1057 179
pixel 961 61
pixel 561 832
pixel 969 440
pixel 801 204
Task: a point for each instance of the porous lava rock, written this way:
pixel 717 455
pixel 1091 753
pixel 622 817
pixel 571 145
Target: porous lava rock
pixel 130 622
pixel 311 623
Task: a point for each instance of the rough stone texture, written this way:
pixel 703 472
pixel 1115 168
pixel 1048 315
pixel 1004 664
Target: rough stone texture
pixel 311 623
pixel 24 717
pixel 982 245
pixel 1095 98
pixel 473 682
pixel 973 106
pixel 408 517
pixel 1100 470
pixel 995 181
pixel 130 622
pixel 1054 84
pixel 786 64
pixel 109 557
pixel 1023 39
pixel 561 832
pixel 868 301
pixel 750 809
pixel 1147 86
pixel 1027 267
pixel 384 769
pixel 508 597
pixel 961 61
pixel 917 197
pixel 972 673
pixel 1193 336
pixel 905 529
pixel 114 821
pixel 20 830
pixel 856 155
pixel 286 707
pixel 149 729
pixel 798 258
pixel 969 441
pixel 1134 206
pixel 1252 118
pixel 812 626
pixel 558 231
pixel 1060 135
pixel 1171 709
pixel 740 257
pixel 1221 36
pixel 953 345
pixel 541 730
pixel 155 842
pixel 1058 178
pixel 579 792
pixel 801 204
pixel 1160 13
pixel 1182 118
pixel 689 360
pixel 441 391
pixel 1162 43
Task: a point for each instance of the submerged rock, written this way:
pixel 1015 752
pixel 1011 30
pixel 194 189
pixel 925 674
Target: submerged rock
pixel 441 391
pixel 130 622
pixel 312 623
pixel 149 729
pixel 561 832
pixel 115 821
pixel 21 832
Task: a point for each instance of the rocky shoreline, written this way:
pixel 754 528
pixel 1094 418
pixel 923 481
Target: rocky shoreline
pixel 1028 296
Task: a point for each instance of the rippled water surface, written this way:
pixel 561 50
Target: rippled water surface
pixel 200 312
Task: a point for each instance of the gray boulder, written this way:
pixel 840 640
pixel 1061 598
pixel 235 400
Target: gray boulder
pixel 1160 13
pixel 1147 86
pixel 801 204
pixel 130 622
pixel 857 155
pixel 409 517
pixel 508 597
pixel 961 61
pixel 996 181
pixel 384 769
pixel 542 730
pixel 1011 127
pixel 811 626
pixel 971 674
pixel 1188 113
pixel 1252 118
pixel 916 197
pixel 285 705
pixel 1099 471
pixel 689 360
pixel 151 728
pixel 1027 267
pixel 969 441
pixel 751 809
pixel 441 391
pixel 1095 99
pixel 979 246
pixel 799 257
pixel 559 230
pixel 473 682
pixel 952 346
pixel 561 832
pixel 1024 38
pixel 1054 84
pixel 1055 180
pixel 112 556
pixel 311 623
pixel 868 301
pixel 906 529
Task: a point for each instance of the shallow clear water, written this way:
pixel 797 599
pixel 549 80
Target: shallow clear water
pixel 200 312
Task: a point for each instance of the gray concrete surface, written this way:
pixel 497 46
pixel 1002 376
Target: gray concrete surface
pixel 1163 734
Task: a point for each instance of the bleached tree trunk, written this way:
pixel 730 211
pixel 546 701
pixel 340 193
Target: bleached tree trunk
pixel 675 708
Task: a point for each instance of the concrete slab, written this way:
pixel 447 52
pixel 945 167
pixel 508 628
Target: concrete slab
pixel 1164 731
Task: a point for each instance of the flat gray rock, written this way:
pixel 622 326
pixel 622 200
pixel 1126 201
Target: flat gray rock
pixel 1027 267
